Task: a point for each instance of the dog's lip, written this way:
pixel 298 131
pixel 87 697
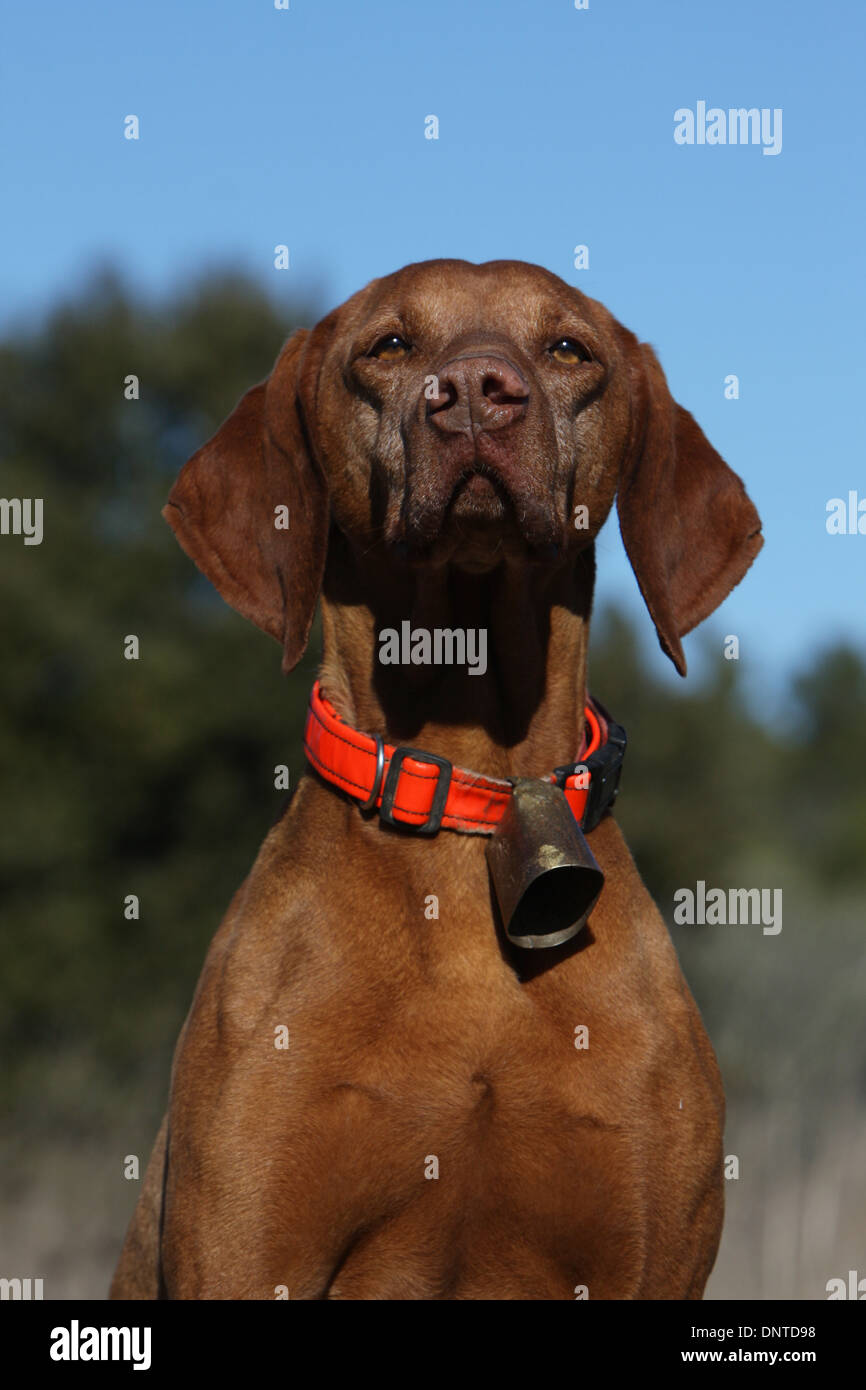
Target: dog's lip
pixel 478 485
pixel 479 480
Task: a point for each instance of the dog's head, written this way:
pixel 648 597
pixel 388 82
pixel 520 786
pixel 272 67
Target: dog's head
pixel 461 414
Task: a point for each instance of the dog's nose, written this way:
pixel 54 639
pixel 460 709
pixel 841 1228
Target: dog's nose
pixel 478 393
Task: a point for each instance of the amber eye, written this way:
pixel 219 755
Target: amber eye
pixel 569 351
pixel 389 348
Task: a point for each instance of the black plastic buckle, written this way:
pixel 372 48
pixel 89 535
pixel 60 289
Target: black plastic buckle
pixel 605 770
pixel 440 796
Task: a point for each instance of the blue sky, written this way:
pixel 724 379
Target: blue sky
pixel 306 127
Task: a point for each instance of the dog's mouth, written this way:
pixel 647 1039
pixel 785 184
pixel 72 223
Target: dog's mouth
pixel 472 499
pixel 479 492
pixel 477 517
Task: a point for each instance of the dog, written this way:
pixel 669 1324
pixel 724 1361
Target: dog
pixel 379 1092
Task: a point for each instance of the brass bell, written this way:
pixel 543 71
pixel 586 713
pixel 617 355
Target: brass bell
pixel 545 876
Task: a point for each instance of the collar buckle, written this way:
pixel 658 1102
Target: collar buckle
pixel 440 795
pixel 605 769
pixel 370 802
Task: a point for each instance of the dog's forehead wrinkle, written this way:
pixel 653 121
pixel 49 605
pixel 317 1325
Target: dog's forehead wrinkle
pixel 452 298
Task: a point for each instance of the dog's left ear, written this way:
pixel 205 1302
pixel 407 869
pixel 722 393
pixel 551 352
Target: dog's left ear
pixel 689 528
pixel 251 506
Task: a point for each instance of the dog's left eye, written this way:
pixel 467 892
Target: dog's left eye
pixel 569 351
pixel 389 348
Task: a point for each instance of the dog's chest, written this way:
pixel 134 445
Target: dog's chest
pixel 485 1194
pixel 509 1158
pixel 429 1127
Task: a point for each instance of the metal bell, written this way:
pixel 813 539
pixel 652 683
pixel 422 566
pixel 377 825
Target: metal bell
pixel 545 876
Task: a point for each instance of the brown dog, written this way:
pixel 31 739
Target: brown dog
pixel 431 1130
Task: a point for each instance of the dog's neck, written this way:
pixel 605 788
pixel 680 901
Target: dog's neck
pixel 520 717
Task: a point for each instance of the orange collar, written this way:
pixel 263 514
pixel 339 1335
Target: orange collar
pixel 421 791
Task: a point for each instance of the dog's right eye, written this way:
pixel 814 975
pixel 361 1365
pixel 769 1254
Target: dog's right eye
pixel 569 351
pixel 390 348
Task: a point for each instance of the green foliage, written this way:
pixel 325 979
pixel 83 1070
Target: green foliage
pixel 121 776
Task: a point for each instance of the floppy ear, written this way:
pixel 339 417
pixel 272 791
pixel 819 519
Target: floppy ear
pixel 226 505
pixel 689 528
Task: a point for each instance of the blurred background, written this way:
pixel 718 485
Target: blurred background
pixel 155 777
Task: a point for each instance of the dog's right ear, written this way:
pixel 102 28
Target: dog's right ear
pixel 251 508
